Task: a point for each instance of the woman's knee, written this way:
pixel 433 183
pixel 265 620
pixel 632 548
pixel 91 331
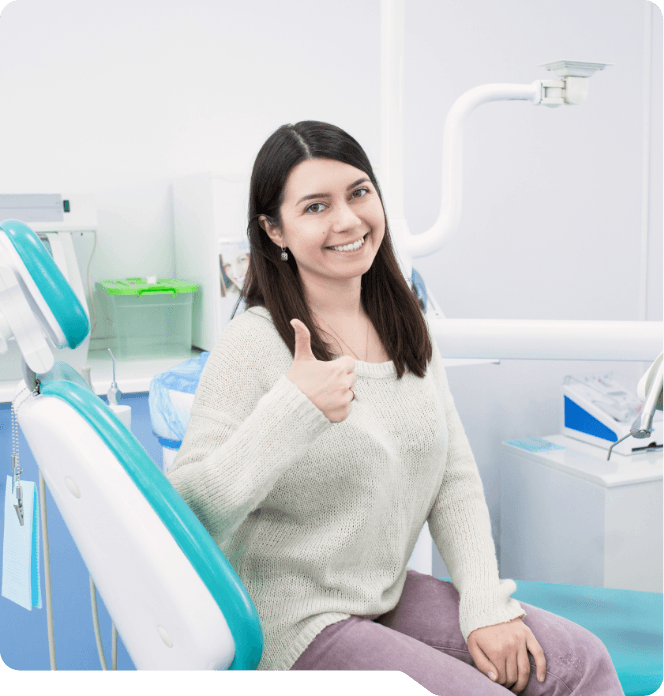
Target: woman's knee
pixel 573 654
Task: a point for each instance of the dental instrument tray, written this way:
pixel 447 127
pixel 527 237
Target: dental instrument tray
pixel 151 317
pixel 599 409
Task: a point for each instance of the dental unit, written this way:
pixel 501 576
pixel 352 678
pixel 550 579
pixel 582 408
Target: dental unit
pixel 127 521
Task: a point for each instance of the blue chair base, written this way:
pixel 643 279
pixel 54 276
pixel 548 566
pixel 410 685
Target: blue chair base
pixel 629 624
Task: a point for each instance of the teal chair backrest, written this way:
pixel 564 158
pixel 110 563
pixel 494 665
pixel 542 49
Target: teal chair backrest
pixel 221 580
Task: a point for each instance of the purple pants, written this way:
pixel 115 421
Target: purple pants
pixel 421 637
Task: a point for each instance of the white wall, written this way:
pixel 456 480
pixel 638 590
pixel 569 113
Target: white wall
pixel 118 98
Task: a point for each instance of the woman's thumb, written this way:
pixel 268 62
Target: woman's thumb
pixel 302 341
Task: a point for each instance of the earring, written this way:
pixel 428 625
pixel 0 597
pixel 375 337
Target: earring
pixel 284 255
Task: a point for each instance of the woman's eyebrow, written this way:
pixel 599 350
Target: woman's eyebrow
pixel 327 195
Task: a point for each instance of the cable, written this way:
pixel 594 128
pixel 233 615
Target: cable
pixel 49 602
pixel 115 648
pixel 47 572
pixel 95 621
pixel 93 591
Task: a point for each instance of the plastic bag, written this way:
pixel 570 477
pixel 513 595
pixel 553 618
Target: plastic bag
pixel 171 399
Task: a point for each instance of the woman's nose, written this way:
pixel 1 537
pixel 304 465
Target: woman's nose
pixel 344 218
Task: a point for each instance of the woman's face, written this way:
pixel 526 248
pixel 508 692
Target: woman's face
pixel 236 268
pixel 328 204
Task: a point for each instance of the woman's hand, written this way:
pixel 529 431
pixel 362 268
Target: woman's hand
pixel 502 651
pixel 326 384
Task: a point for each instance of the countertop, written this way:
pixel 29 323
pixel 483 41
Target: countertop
pixel 132 376
pixel 589 462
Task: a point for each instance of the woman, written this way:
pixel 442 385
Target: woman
pixel 324 435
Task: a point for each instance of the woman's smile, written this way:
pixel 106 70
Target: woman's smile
pixel 351 248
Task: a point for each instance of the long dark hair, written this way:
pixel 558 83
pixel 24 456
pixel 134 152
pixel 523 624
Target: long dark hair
pixel 387 299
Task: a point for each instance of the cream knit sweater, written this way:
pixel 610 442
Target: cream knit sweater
pixel 318 518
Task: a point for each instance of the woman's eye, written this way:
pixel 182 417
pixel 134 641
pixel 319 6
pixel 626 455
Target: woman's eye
pixel 319 207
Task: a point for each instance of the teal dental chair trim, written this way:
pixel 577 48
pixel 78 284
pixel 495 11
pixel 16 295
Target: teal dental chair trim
pixel 50 282
pixel 199 547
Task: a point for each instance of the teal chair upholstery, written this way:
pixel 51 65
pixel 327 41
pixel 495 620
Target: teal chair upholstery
pixel 629 624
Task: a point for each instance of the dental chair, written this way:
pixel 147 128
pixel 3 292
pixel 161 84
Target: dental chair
pixel 175 599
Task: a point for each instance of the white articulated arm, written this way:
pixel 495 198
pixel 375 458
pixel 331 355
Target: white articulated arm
pixel 508 339
pixel 452 158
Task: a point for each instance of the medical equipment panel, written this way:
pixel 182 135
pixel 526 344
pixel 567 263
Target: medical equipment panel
pixel 599 409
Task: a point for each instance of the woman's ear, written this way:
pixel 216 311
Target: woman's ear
pixel 270 229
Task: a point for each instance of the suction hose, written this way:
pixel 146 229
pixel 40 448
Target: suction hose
pixel 47 571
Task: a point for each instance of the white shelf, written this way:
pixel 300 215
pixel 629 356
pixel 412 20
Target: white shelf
pixel 132 376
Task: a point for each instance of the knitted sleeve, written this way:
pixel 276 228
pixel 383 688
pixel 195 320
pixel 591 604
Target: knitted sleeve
pixel 461 529
pixel 241 437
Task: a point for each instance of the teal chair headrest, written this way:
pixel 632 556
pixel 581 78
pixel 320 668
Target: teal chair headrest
pixel 50 282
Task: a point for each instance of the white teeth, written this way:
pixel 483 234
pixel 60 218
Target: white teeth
pixel 350 247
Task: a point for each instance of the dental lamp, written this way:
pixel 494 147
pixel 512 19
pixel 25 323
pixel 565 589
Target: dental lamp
pixel 488 338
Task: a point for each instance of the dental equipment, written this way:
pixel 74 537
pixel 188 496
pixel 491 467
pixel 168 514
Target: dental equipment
pixel 488 338
pixel 598 409
pixel 175 599
pixel 477 338
pixel 113 392
pixel 649 391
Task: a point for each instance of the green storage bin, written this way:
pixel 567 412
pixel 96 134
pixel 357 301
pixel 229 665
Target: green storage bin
pixel 149 321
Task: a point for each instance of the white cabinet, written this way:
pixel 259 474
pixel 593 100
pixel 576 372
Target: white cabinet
pixel 570 516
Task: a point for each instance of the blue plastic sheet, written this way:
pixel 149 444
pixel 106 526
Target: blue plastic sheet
pixel 171 398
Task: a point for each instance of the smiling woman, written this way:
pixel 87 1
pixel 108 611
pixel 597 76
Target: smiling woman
pixel 321 251
pixel 317 497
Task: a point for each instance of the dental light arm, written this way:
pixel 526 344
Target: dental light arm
pixel 480 339
pixel 570 88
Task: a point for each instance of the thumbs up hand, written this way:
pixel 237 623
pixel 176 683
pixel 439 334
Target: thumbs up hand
pixel 326 384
